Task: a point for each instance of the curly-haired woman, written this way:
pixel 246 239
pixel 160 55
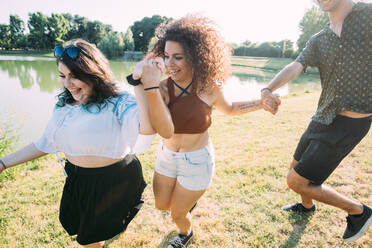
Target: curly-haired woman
pixel 198 62
pixel 99 129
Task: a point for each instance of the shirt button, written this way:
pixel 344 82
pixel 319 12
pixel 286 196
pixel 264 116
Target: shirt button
pixel 340 46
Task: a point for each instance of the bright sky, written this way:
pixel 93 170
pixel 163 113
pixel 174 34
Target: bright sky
pixel 239 20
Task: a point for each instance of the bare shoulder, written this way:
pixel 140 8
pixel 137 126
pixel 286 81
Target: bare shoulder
pixel 210 96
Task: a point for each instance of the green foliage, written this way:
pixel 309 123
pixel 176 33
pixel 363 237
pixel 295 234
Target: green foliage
pixel 144 30
pixel 17 29
pixel 38 26
pixel 128 40
pixel 112 45
pixel 8 138
pixel 313 21
pixel 279 49
pixel 58 28
pixel 5 36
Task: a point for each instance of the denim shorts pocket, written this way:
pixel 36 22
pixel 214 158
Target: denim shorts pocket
pixel 198 160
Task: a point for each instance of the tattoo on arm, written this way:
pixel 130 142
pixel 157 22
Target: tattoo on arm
pixel 244 106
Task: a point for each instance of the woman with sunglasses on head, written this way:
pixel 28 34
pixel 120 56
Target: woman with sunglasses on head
pixel 198 62
pixel 99 129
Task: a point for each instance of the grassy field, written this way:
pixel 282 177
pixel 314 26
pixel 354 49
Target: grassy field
pixel 241 208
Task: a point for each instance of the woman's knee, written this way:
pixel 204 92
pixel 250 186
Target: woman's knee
pixel 177 215
pixel 161 205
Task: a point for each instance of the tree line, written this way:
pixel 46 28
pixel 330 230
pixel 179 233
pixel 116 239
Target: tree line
pixel 45 32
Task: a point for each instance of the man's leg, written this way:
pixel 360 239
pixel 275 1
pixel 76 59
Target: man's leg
pixel 306 201
pixel 322 193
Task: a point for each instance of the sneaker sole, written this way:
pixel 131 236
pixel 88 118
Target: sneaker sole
pixel 361 232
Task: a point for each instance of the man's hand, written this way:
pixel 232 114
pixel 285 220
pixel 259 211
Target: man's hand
pixel 270 101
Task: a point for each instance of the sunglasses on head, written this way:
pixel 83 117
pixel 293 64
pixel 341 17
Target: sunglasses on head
pixel 71 51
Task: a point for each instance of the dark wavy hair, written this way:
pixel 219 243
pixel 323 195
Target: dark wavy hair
pixel 92 68
pixel 205 50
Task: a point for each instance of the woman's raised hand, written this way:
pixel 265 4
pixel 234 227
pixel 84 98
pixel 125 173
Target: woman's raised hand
pixel 152 70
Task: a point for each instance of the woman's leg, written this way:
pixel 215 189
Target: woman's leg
pixel 183 200
pixel 163 188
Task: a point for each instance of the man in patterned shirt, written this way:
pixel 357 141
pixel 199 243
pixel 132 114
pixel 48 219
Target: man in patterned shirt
pixel 342 52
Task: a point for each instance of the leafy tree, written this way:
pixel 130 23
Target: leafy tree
pixel 96 30
pixel 128 40
pixel 5 36
pixel 112 45
pixel 144 30
pixel 78 26
pixel 313 21
pixel 58 27
pixel 39 28
pixel 16 29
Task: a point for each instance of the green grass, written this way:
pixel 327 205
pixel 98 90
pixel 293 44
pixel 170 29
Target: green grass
pixel 241 208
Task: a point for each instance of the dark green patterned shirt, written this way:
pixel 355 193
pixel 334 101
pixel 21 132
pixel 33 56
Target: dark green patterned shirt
pixel 344 63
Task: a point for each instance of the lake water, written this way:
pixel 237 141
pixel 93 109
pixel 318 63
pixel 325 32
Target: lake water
pixel 29 85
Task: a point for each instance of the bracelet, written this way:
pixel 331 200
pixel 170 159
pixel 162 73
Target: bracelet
pixel 266 88
pixel 2 164
pixel 151 88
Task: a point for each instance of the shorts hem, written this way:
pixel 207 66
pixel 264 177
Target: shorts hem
pixel 299 172
pixel 194 188
pixel 164 174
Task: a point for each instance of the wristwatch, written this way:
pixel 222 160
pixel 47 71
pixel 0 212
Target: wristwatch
pixel 133 81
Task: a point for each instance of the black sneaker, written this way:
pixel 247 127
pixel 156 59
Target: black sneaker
pixel 358 225
pixel 180 241
pixel 299 208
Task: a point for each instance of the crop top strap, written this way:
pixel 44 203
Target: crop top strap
pixel 184 90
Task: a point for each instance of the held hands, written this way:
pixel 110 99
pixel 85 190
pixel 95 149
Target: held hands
pixel 270 101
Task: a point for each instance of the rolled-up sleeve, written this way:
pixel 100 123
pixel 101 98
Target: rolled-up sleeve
pixel 308 55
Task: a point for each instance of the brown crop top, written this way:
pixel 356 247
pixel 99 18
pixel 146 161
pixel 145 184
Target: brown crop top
pixel 190 114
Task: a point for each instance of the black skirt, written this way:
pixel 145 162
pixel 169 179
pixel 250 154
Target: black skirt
pixel 99 203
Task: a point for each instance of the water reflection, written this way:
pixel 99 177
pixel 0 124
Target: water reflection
pixel 40 72
pixel 29 85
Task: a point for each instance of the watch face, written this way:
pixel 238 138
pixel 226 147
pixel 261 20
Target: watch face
pixel 132 81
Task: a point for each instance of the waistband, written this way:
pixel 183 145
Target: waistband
pixel 208 148
pixel 70 167
pixel 346 118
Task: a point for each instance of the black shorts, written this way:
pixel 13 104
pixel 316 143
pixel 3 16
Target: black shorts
pixel 99 203
pixel 322 147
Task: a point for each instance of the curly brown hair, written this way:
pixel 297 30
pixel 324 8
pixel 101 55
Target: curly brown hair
pixel 205 50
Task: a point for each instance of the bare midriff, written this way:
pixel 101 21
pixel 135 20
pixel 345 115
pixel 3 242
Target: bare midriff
pixel 91 161
pixel 187 142
pixel 352 114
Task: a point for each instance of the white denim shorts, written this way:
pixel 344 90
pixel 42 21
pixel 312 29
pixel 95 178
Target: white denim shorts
pixel 194 170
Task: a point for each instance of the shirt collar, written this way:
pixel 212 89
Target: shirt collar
pixel 357 7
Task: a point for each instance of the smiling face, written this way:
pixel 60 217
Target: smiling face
pixel 176 64
pixel 329 5
pixel 79 90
